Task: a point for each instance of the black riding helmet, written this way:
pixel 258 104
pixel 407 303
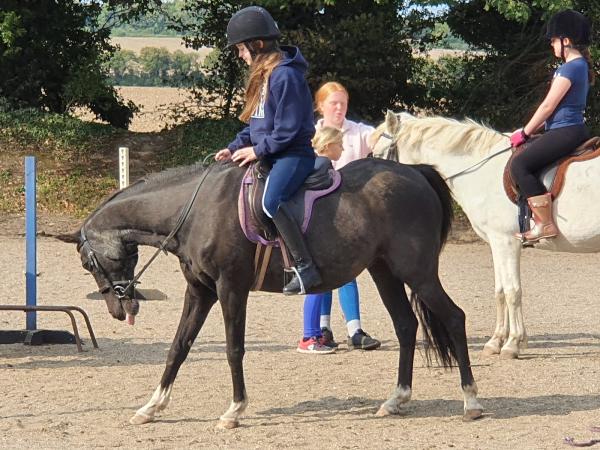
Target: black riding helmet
pixel 570 24
pixel 250 24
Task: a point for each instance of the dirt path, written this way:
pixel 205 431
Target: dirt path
pixel 56 398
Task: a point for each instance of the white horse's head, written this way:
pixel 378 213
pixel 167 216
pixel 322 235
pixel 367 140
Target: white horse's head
pixel 411 140
pixel 384 139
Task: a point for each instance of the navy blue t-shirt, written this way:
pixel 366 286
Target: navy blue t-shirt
pixel 571 107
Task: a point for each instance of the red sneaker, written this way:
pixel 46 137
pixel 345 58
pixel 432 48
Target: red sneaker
pixel 312 345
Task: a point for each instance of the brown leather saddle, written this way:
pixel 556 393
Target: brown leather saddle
pixel 256 225
pixel 552 176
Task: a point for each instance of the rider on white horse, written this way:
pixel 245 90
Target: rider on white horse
pixel 561 112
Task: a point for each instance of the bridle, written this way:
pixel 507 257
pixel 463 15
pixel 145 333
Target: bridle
pixel 115 286
pixel 119 288
pixel 391 153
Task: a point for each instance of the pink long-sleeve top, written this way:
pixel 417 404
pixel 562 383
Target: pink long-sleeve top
pixel 355 141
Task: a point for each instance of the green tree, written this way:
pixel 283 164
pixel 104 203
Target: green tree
pixel 49 51
pixel 124 68
pixel 155 63
pixel 504 85
pixel 362 43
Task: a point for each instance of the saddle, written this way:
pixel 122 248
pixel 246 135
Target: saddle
pixel 256 225
pixel 552 176
pixel 259 228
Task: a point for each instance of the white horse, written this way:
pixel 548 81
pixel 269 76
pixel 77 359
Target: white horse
pixel 452 146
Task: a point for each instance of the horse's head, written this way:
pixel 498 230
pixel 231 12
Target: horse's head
pixel 111 260
pixel 385 137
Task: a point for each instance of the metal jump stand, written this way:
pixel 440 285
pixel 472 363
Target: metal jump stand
pixel 31 335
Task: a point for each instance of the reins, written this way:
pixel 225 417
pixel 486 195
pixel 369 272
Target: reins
pixel 118 289
pixel 478 164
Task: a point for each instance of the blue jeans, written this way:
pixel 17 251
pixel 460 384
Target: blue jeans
pixel 285 178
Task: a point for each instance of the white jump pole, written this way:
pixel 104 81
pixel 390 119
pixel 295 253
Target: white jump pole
pixel 123 167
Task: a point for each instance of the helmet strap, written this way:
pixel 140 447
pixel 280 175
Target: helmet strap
pixel 562 48
pixel 250 50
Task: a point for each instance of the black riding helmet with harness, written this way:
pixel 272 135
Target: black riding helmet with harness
pixel 569 24
pixel 253 24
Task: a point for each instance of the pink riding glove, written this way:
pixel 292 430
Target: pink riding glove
pixel 518 138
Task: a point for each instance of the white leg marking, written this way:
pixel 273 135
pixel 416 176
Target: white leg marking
pixel 473 409
pixel 230 418
pixel 159 401
pixel 392 405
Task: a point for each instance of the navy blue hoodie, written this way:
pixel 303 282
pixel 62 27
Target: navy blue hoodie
pixel 285 121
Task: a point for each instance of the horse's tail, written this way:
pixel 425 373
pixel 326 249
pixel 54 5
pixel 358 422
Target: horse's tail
pixel 443 192
pixel 436 336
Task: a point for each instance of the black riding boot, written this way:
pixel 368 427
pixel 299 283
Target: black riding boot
pixel 307 275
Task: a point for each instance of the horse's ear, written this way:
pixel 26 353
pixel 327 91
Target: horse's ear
pixel 71 238
pixel 392 121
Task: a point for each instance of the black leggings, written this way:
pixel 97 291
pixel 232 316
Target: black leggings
pixel 548 148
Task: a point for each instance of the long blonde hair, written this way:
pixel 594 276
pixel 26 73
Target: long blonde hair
pixel 325 136
pixel 264 61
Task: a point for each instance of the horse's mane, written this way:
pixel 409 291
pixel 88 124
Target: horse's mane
pixel 168 176
pixel 159 179
pixel 466 136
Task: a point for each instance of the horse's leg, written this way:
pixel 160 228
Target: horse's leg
pixel 197 304
pixel 506 253
pixel 233 305
pixel 452 318
pixel 494 344
pixel 393 294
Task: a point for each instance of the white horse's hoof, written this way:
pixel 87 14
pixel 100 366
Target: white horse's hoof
pixel 472 414
pixel 140 419
pixel 508 353
pixel 490 350
pixel 228 424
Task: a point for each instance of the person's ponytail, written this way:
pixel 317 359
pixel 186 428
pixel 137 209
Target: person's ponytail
pixel 585 52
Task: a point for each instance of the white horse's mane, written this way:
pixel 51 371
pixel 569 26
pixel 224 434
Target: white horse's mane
pixel 450 135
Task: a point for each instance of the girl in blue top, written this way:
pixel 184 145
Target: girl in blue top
pixel 562 114
pixel 280 120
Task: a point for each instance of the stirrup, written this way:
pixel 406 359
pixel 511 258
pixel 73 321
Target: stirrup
pixel 295 277
pixel 530 242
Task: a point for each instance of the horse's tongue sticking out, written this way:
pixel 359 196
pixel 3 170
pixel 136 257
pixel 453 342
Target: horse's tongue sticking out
pixel 130 319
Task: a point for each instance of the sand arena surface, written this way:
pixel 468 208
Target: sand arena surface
pixel 54 397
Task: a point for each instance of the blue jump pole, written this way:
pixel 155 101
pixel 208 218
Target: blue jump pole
pixel 33 336
pixel 30 242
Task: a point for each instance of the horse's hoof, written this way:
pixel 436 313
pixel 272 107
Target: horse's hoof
pixel 509 354
pixel 489 350
pixel 387 411
pixel 472 414
pixel 140 419
pixel 228 424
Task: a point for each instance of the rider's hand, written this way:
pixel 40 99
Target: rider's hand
pixel 223 155
pixel 244 156
pixel 518 137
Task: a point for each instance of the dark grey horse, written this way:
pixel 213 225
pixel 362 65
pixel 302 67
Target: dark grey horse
pixel 389 218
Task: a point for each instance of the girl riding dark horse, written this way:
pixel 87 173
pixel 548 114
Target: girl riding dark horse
pixel 388 218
